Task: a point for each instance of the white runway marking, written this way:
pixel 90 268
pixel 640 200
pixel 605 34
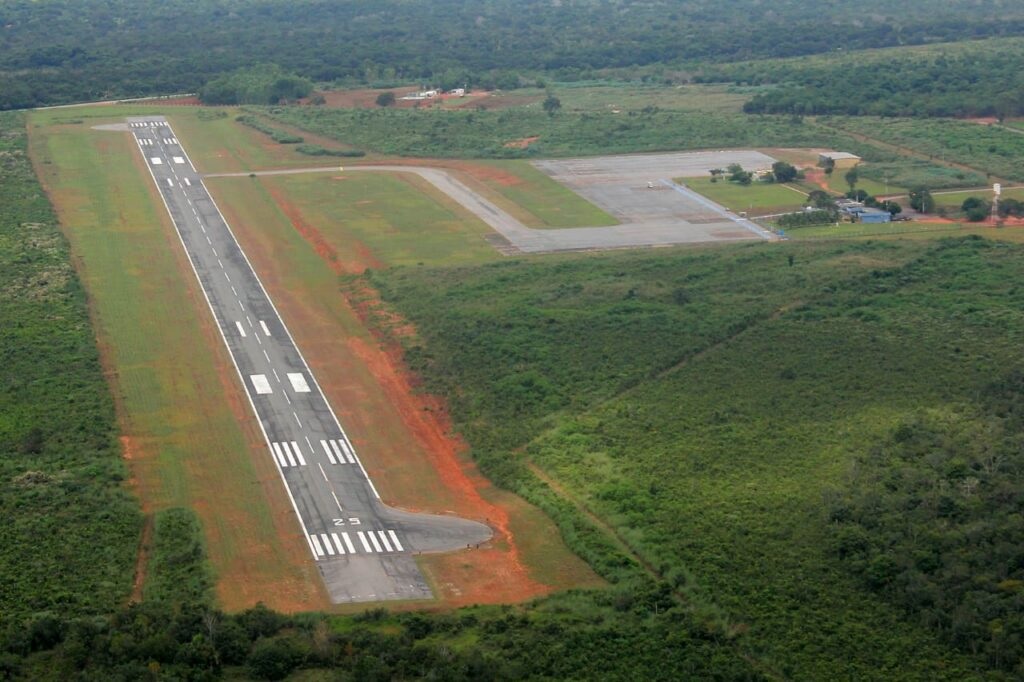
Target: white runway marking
pixel 188 183
pixel 322 472
pixel 214 249
pixel 249 320
pixel 394 538
pixel 348 543
pixel 316 543
pixel 337 543
pixel 384 540
pixel 362 539
pixel 218 262
pixel 341 458
pixel 233 291
pixel 330 455
pixel 298 380
pixel 264 325
pixel 268 360
pixel 348 452
pixel 170 183
pixel 373 541
pixel 260 383
pixel 280 457
pixel 241 329
pixel 295 415
pixel 288 453
pixel 208 239
pixel 327 544
pixel 275 375
pixel 156 161
pixel 337 501
pixel 298 454
pixel 178 159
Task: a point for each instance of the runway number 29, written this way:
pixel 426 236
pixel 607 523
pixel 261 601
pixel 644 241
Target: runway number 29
pixel 352 521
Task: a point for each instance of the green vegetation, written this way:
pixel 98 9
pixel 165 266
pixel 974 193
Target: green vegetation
pixel 568 636
pixel 177 570
pixel 972 78
pixel 61 51
pixel 493 134
pixel 71 530
pixel 317 150
pixel 757 198
pixel 988 149
pixel 929 518
pixel 547 203
pixel 806 219
pixel 279 136
pixel 706 404
pixel 263 84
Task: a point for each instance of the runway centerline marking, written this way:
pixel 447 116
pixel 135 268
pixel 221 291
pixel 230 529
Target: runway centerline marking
pixel 296 418
pixel 322 472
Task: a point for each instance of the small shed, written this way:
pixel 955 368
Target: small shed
pixel 839 159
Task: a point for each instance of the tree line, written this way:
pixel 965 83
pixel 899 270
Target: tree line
pixel 62 51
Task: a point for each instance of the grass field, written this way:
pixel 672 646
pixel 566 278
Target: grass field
pixel 756 199
pixel 533 197
pixel 187 431
pixel 987 149
pixel 875 188
pixel 378 219
pixel 711 448
pixel 955 199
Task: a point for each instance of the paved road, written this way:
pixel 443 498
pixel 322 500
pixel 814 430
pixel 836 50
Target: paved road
pixel 666 227
pixel 364 549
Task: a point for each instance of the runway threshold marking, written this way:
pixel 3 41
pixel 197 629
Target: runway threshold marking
pixel 298 381
pixel 260 383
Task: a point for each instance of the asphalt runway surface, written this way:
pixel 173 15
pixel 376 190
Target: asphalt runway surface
pixel 638 190
pixel 364 550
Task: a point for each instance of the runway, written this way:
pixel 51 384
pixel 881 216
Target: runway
pixel 365 551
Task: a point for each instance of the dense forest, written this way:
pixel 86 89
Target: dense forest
pixel 60 51
pixel 965 79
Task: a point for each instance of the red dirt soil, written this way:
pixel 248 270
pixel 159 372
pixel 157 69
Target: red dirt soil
pixel 522 143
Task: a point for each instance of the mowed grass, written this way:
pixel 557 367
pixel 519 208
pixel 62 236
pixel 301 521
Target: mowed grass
pixel 533 197
pixel 378 219
pixel 189 436
pixel 758 198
